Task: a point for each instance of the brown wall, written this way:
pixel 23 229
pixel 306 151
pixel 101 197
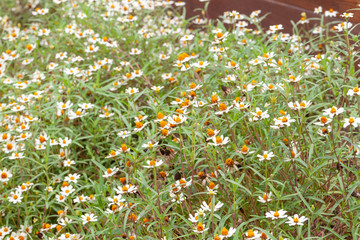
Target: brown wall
pixel 282 11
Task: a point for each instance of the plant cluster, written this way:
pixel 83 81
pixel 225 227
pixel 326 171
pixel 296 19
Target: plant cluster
pixel 125 120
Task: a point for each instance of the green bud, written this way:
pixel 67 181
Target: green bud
pixel 273 100
pixel 312 207
pixel 77 212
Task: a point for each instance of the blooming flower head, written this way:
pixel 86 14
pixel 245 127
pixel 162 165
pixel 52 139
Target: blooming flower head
pixel 88 217
pixel 219 140
pixel 153 163
pixel 200 228
pixel 266 156
pixel 296 220
pixel 323 121
pixel 351 121
pixel 266 197
pixel 226 233
pixel 276 215
pixel 5 175
pixel 353 91
pixel 250 234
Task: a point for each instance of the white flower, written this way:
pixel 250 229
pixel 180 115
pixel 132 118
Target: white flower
pixel 60 198
pixel 241 105
pixel 86 106
pixel 15 197
pixel 259 115
pixel 80 199
pixel 330 13
pixel 52 65
pixel 132 91
pixel 266 197
pixel 333 111
pixel 207 207
pixel 200 228
pixel 177 119
pixel 225 233
pixel 347 15
pixel 200 64
pixel 296 220
pixel 153 163
pixel 106 114
pixel 63 106
pixel 282 122
pixel 351 121
pixel 194 218
pixel 157 88
pixel 67 190
pixel 128 188
pixel 292 79
pixel 256 61
pixel 250 234
pixel 219 140
pixel 135 51
pixel 88 217
pixel 318 10
pixel 276 215
pixel 187 38
pixel 64 142
pixel 16 155
pixel 124 134
pixel 72 177
pixel 5 175
pixel 68 163
pixel 223 109
pixel 354 91
pixel 323 121
pixel 324 131
pixel 140 126
pixel 266 156
pixel 110 172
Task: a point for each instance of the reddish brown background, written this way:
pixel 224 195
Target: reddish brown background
pixel 282 11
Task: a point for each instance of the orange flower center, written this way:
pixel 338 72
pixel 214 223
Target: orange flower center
pixel 323 119
pixel 200 227
pixel 222 107
pixel 224 231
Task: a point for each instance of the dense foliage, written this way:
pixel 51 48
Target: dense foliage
pixel 125 120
